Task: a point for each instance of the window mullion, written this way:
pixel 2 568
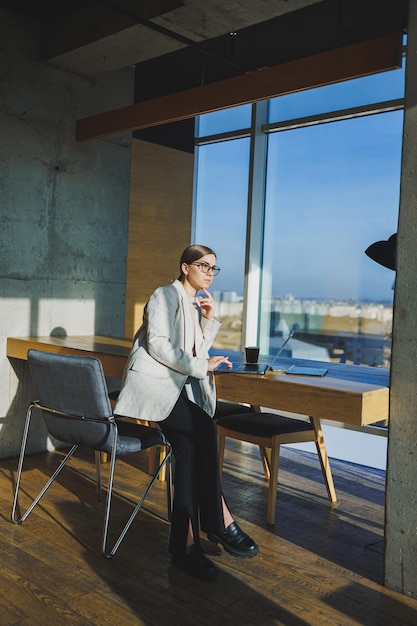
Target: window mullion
pixel 255 226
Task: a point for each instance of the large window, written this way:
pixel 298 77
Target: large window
pixel 221 199
pixel 332 190
pixel 331 175
pixel 225 121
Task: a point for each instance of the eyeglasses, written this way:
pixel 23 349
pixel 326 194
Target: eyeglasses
pixel 205 268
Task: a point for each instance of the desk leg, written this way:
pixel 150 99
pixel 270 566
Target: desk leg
pixel 156 456
pixel 155 459
pixel 266 461
pixel 324 460
pixel 265 454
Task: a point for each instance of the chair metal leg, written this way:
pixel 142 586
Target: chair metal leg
pixel 112 552
pixel 65 460
pixel 109 487
pixel 167 458
pixel 98 458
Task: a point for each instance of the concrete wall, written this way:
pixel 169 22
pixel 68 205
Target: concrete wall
pixel 401 500
pixel 63 210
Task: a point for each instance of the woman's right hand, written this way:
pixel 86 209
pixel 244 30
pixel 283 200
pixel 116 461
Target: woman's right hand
pixel 215 361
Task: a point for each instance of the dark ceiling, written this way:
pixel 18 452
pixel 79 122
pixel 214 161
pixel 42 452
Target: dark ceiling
pixel 180 44
pixel 296 34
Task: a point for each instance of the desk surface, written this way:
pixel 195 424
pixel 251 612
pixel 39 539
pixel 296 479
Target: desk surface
pixel 352 394
pixel 111 351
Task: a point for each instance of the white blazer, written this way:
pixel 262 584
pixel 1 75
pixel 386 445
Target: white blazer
pixel 162 358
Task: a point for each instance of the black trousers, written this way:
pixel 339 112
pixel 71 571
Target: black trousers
pixel 197 487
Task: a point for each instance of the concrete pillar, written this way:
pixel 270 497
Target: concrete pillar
pixel 401 496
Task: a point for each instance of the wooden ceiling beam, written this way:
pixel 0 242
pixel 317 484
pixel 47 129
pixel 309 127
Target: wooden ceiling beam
pixel 353 61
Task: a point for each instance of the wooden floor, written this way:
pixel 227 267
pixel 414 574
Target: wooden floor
pixel 319 565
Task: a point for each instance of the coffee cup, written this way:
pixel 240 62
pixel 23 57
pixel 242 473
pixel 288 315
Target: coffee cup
pixel 252 354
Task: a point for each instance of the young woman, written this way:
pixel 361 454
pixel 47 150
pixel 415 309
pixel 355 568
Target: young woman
pixel 169 379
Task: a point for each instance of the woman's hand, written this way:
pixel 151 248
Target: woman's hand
pixel 206 305
pixel 215 361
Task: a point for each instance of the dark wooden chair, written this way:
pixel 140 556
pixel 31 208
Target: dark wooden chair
pixel 269 431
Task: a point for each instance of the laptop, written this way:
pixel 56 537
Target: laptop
pixel 263 365
pixel 301 370
pixel 244 368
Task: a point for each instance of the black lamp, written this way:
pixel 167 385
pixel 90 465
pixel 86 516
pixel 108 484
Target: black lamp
pixel 384 252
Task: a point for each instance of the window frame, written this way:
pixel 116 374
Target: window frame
pixel 258 133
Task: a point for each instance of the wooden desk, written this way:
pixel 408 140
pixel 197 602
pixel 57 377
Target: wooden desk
pixel 352 394
pixel 111 351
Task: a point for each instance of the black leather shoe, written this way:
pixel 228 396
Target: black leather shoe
pixel 196 563
pixel 235 542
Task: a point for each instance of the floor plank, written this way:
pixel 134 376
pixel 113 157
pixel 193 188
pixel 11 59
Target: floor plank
pixel 319 564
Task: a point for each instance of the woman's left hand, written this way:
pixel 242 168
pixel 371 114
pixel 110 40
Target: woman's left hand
pixel 215 361
pixel 206 305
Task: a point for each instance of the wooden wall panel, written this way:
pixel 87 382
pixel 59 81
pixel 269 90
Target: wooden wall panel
pixel 160 213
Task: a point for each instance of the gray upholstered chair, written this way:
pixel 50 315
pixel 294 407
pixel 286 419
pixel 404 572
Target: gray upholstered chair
pixel 269 431
pixel 74 402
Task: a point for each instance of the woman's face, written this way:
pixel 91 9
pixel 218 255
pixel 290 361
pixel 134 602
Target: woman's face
pixel 195 277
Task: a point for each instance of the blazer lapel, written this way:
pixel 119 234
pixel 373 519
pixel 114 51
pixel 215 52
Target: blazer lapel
pixel 188 326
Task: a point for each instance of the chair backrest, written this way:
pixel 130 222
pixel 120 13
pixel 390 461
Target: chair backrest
pixel 74 385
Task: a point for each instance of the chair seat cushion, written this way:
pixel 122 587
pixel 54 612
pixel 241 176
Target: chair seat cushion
pixel 136 437
pixel 229 408
pixel 263 424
